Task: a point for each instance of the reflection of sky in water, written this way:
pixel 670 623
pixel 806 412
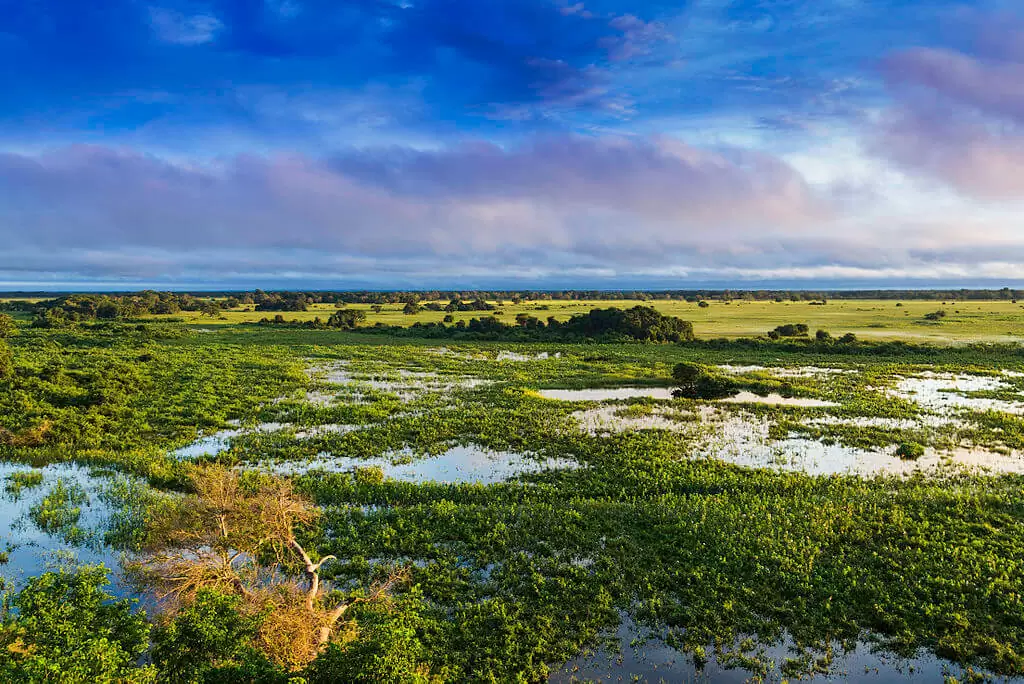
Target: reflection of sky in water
pixel 606 393
pixel 653 661
pixel 458 465
pixel 744 440
pixel 942 392
pixel 37 551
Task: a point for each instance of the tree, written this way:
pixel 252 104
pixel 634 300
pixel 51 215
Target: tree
pixel 377 308
pixel 239 535
pixel 8 328
pixel 411 308
pixel 699 382
pixel 107 310
pixel 6 361
pixel 209 308
pixel 65 627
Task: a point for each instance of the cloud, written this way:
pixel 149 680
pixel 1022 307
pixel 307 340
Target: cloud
pixel 175 27
pixel 957 117
pixel 589 201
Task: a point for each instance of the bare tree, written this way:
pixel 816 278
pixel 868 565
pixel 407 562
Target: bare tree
pixel 237 534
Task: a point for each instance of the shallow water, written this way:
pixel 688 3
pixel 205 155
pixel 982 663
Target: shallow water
pixel 515 356
pixel 211 445
pixel 946 392
pixel 785 371
pixel 458 465
pixel 606 393
pixel 776 400
pixel 33 551
pixel 408 385
pixel 743 439
pixel 650 660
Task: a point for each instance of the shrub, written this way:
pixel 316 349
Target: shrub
pixel 910 451
pixel 66 628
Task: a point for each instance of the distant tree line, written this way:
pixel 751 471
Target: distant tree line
pixel 639 323
pixel 136 303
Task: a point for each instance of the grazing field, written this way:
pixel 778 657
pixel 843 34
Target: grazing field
pixel 987 321
pixel 518 512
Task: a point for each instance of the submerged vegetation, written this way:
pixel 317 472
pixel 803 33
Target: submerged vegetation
pixel 251 480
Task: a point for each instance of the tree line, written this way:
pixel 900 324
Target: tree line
pixel 639 323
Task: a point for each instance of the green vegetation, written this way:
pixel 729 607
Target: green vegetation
pixel 349 572
pixel 64 627
pixel 16 482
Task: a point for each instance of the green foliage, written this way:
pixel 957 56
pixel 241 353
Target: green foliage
pixel 21 480
pixel 6 361
pixel 8 328
pixel 387 649
pixel 789 330
pixel 910 451
pixel 211 640
pixel 700 382
pixel 65 627
pixel 60 509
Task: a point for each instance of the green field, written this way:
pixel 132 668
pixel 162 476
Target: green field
pixel 983 321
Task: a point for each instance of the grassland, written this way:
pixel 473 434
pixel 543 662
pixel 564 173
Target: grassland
pixel 1000 321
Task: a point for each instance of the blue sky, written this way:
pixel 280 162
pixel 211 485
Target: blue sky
pixel 538 143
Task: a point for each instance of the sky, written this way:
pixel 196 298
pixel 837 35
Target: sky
pixel 511 143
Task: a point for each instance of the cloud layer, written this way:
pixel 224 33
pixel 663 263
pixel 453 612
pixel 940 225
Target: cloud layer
pixel 544 142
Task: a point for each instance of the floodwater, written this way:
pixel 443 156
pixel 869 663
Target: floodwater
pixel 408 385
pixel 641 658
pixel 619 393
pixel 211 445
pixel 786 372
pixel 947 392
pixel 607 393
pixel 458 465
pixel 32 550
pixel 743 439
pixel 776 400
pixel 515 356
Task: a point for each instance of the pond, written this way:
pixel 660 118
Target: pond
pixel 743 439
pixel 776 400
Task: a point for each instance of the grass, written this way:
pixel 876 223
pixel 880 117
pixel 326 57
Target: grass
pixel 987 321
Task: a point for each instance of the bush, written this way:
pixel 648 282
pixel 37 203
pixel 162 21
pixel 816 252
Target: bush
pixel 790 330
pixel 211 640
pixel 699 382
pixel 66 628
pixel 910 451
pixel 8 328
pixel 935 315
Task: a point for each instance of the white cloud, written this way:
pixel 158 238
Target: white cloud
pixel 175 27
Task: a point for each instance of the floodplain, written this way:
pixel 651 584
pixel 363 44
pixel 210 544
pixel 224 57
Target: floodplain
pixel 557 510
